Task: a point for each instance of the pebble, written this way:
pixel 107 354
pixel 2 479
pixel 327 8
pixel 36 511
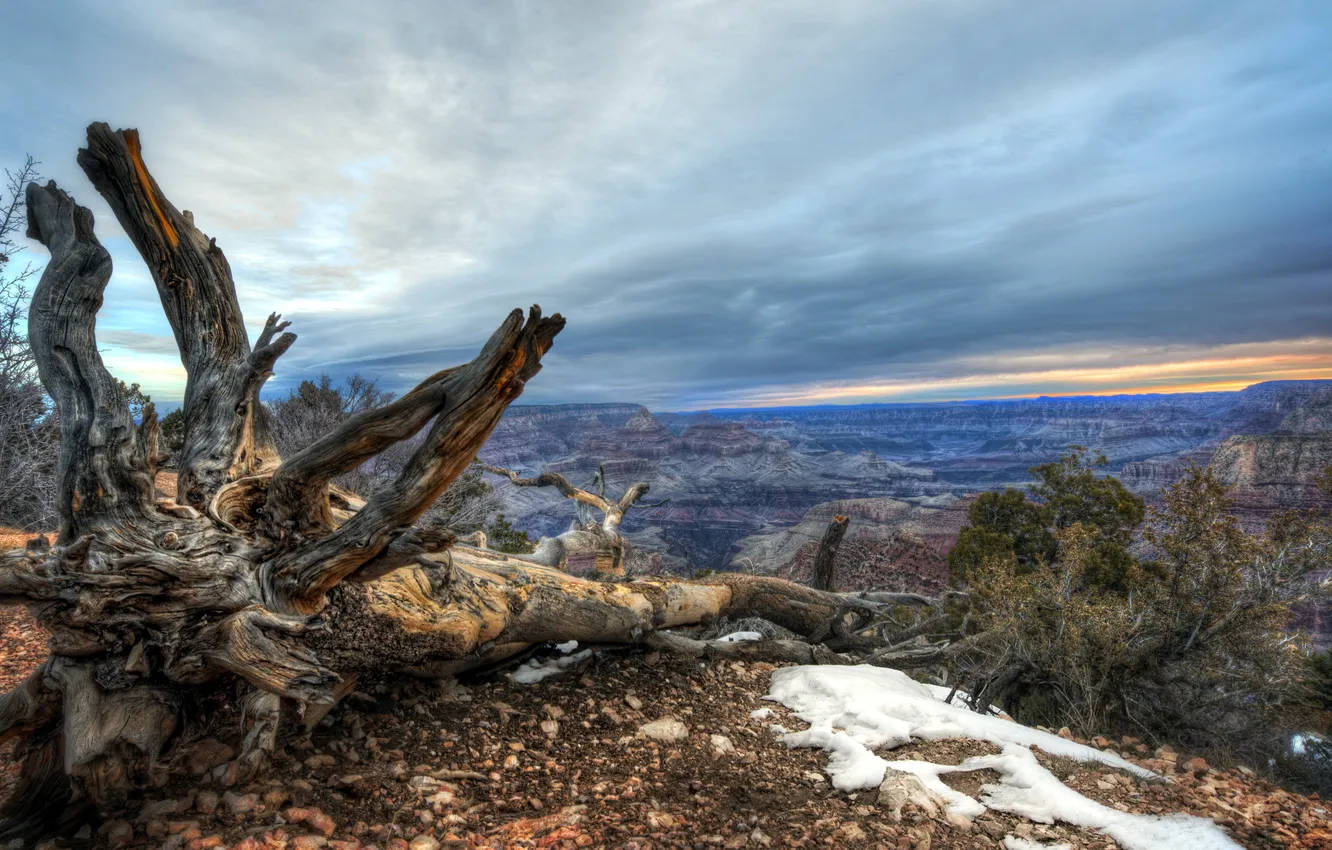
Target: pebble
pixel 667 730
pixel 205 802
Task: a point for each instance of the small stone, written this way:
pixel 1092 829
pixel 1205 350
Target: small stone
pixel 275 798
pixel 205 802
pixel 667 730
pixel 633 702
pixel 226 774
pixel 240 804
pixel 424 842
pixel 296 815
pixel 1197 765
pixel 661 820
pixel 851 831
pixel 993 828
pixel 1065 732
pixel 550 728
pixel 307 842
pixel 206 755
pixel 322 760
pixel 900 788
pixel 321 822
pixel 721 744
pixel 119 832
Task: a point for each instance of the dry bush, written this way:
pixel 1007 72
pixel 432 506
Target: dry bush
pixel 1196 651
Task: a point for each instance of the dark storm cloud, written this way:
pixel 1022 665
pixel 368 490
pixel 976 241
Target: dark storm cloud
pixel 723 197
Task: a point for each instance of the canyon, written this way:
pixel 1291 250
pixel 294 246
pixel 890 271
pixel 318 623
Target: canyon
pixel 752 489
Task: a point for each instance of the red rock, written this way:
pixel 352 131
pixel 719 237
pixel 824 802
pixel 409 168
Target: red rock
pixel 321 822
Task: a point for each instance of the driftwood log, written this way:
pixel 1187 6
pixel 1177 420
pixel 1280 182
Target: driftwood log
pixel 262 581
pixel 587 534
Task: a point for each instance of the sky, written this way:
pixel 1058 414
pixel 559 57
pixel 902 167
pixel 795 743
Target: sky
pixel 734 204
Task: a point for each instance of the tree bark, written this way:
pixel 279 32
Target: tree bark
pixel 266 580
pixel 825 560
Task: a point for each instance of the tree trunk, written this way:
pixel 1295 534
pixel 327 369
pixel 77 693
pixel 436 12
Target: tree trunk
pixel 825 560
pixel 265 580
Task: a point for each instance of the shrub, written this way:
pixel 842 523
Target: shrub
pixel 503 537
pixel 1023 530
pixel 1195 652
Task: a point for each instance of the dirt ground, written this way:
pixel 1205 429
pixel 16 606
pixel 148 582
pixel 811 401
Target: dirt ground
pixel 562 764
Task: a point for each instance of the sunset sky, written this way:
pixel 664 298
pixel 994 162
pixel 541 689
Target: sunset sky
pixel 734 203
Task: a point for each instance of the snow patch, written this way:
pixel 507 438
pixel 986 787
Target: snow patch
pixel 1013 842
pixel 1029 790
pixel 880 705
pixel 533 671
pixel 854 710
pixel 566 647
pixel 737 637
pixel 760 714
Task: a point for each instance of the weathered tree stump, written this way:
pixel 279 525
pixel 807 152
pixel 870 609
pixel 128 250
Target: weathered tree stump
pixel 262 576
pixel 825 560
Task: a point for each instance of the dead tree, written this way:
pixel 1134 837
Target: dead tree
pixel 601 538
pixel 263 582
pixel 826 558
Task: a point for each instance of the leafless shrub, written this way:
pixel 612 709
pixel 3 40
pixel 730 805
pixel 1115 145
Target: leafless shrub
pixel 29 437
pixel 315 408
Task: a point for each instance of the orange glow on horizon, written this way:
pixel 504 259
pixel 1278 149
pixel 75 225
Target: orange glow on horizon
pixel 1203 374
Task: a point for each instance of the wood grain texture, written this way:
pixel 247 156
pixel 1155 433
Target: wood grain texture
pixel 225 432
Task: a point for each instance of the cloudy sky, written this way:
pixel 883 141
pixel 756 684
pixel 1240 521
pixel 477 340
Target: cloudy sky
pixel 734 203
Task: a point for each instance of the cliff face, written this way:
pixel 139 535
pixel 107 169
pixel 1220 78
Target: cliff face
pixel 1274 472
pixel 537 434
pixel 890 544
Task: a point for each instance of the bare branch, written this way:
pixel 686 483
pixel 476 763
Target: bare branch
pixel 481 391
pixel 103 476
pixel 298 494
pixel 553 479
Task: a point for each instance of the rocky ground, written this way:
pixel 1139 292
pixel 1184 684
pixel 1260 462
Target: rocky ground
pixel 630 750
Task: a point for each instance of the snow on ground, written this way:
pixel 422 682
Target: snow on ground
pixel 737 637
pixel 533 671
pixel 853 711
